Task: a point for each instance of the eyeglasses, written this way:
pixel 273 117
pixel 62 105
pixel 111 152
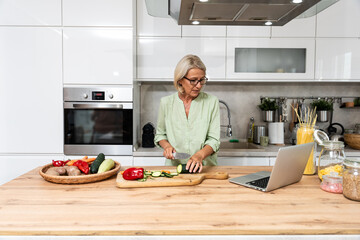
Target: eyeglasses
pixel 202 81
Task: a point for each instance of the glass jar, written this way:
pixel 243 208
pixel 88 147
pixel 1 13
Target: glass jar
pixel 331 158
pixel 304 134
pixel 332 183
pixel 357 128
pixel 351 179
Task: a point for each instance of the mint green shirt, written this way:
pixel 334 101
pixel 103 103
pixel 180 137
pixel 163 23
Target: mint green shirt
pixel 192 133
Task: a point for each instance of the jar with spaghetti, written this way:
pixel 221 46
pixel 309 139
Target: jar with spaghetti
pixel 304 135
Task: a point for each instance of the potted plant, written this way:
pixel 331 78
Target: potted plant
pixel 323 108
pixel 357 102
pixel 268 108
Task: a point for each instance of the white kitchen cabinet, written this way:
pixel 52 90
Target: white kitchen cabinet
pixel 16 165
pixel 339 20
pixel 31 90
pixel 155 26
pixel 34 12
pixel 249 31
pixel 272 161
pixel 149 161
pixel 98 12
pixel 301 27
pixel 294 59
pixel 98 56
pixel 243 161
pixel 157 57
pixel 337 59
pixel 203 31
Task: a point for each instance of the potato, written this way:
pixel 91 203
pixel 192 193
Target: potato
pixel 60 170
pixel 72 171
pixel 51 171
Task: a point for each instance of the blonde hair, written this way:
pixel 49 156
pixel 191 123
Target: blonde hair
pixel 184 65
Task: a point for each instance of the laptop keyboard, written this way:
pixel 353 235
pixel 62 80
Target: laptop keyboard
pixel 262 182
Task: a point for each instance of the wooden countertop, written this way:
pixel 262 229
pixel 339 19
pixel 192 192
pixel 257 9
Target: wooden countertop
pixel 31 206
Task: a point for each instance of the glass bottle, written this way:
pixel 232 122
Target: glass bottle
pixel 250 133
pixel 331 158
pixel 304 135
pixel 351 179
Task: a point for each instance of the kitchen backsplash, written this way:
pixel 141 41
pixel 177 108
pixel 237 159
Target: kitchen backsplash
pixel 243 99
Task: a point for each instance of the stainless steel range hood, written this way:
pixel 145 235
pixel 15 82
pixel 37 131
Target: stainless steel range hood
pixel 237 12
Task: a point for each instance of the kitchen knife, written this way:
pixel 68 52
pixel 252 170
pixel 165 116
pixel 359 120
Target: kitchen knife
pixel 178 155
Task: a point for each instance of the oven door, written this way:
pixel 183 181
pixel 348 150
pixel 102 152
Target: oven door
pixel 92 128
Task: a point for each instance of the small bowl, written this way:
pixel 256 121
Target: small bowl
pixel 353 140
pixel 349 104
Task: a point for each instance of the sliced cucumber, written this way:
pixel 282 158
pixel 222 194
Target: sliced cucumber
pixel 179 168
pixel 174 173
pixel 156 174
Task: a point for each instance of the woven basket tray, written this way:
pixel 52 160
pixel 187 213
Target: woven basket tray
pixel 353 140
pixel 78 179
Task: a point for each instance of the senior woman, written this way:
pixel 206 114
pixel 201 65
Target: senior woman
pixel 189 119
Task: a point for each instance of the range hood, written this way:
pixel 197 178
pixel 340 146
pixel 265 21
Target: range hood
pixel 236 12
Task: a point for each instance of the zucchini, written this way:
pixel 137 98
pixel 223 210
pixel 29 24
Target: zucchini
pixel 181 168
pixel 156 174
pixel 106 165
pixel 94 167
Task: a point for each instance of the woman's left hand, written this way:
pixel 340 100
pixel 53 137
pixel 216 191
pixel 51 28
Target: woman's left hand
pixel 194 164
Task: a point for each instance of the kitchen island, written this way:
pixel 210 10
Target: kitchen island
pixel 31 206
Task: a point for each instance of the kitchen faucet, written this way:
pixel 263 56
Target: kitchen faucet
pixel 229 130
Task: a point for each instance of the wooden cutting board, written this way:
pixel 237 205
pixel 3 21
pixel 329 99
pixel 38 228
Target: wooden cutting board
pixel 183 179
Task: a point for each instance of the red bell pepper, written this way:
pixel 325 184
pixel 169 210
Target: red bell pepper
pixel 59 163
pixel 133 173
pixel 82 165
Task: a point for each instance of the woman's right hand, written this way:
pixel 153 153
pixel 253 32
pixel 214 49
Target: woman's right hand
pixel 168 152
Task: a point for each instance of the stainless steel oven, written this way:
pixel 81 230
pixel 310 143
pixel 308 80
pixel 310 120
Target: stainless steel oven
pixel 98 120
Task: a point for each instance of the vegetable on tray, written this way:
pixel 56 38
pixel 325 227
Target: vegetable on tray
pixel 59 163
pixel 82 165
pixel 142 175
pixel 94 168
pixel 106 165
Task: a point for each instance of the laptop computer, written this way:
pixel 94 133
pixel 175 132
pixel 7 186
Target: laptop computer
pixel 288 169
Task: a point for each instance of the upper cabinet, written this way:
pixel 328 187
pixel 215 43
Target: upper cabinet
pixel 270 59
pixel 157 57
pixel 203 31
pixel 154 26
pixel 249 31
pixel 337 59
pixel 98 13
pixel 31 90
pixel 34 12
pixel 339 20
pixel 98 55
pixel 302 27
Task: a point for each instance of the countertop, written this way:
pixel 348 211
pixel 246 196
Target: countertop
pixel 269 151
pixel 31 206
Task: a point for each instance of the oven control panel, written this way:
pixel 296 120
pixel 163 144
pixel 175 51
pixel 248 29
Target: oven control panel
pixel 98 95
pixel 113 94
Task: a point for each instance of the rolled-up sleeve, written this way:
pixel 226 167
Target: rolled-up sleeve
pixel 213 134
pixel 161 127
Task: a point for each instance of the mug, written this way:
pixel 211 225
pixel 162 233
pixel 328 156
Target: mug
pixel 264 141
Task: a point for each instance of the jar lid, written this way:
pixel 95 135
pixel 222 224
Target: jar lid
pixel 333 144
pixel 333 177
pixel 355 163
pixel 320 137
